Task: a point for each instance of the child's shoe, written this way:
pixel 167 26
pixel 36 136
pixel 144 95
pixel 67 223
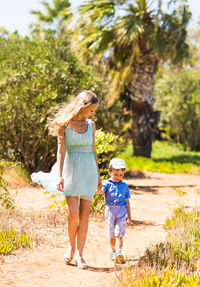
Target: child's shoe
pixel 112 255
pixel 119 258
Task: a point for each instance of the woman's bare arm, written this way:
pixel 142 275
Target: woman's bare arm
pixel 99 187
pixel 60 160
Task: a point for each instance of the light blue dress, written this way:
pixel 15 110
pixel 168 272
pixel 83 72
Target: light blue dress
pixel 79 170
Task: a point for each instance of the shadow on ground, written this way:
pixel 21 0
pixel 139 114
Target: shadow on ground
pixel 153 188
pixel 141 223
pixel 116 267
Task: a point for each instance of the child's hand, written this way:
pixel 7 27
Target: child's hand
pixel 101 192
pixel 129 221
pixel 99 188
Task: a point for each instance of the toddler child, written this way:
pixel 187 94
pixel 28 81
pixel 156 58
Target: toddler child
pixel 117 207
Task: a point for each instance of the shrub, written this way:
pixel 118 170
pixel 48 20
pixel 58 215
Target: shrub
pixel 10 241
pixel 166 278
pixel 14 174
pixel 105 143
pixel 177 96
pixel 6 199
pixel 181 249
pixel 36 75
pixel 106 149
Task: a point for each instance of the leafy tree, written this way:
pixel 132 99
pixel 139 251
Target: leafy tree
pixel 113 119
pixel 132 38
pixel 194 52
pixel 36 75
pixel 58 12
pixel 177 96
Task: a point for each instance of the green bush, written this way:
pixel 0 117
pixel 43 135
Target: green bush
pixel 6 199
pixel 177 96
pixel 174 262
pixel 105 143
pixel 106 149
pixel 181 250
pixel 36 74
pixel 166 278
pixel 10 240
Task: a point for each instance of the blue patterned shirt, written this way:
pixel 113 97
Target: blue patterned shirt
pixel 115 193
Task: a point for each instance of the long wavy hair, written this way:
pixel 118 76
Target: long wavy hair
pixel 61 116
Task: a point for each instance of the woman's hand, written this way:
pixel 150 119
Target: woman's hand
pixel 60 184
pixel 99 187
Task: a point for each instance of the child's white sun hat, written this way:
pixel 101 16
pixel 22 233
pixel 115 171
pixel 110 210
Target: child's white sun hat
pixel 117 163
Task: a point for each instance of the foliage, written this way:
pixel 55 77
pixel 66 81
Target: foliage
pixel 59 12
pixel 115 119
pixel 14 174
pixel 6 200
pixel 176 259
pixel 166 278
pixel 106 30
pixel 166 158
pixel 10 241
pixel 181 248
pixel 105 148
pixel 194 48
pixel 105 143
pixel 98 204
pixel 36 75
pixel 178 97
pixel 129 39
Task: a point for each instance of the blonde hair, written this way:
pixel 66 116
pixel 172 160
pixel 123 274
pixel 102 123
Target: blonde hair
pixel 68 111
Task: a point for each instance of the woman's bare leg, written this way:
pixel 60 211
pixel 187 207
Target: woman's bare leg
pixel 84 211
pixel 73 209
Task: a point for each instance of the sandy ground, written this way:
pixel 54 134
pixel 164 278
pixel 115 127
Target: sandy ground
pixel 150 205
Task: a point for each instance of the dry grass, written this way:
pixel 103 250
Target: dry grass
pixel 42 226
pixel 15 175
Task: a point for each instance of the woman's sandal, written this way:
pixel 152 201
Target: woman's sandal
pixel 80 262
pixel 67 257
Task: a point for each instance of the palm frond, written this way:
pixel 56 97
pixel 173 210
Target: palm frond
pixel 123 75
pixel 42 17
pixel 60 8
pixel 98 10
pixel 59 5
pixel 142 5
pixel 66 14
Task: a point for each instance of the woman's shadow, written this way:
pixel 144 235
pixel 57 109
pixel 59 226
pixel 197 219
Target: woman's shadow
pixel 114 268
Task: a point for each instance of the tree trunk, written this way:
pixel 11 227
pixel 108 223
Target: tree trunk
pixel 144 118
pixel 144 128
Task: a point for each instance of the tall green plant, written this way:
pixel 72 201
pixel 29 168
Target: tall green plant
pixel 131 38
pixel 105 143
pixel 6 199
pixel 59 11
pixel 10 240
pixel 36 74
pixel 180 250
pixel 178 97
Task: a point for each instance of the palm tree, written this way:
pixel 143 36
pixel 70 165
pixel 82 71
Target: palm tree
pixel 134 37
pixel 59 11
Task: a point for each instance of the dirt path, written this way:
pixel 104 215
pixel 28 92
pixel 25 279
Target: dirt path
pixel 149 205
